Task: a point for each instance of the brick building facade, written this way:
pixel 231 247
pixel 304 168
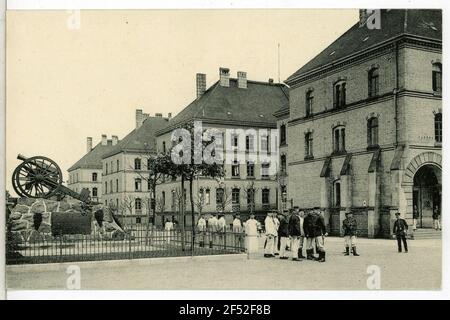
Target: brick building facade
pixel 364 125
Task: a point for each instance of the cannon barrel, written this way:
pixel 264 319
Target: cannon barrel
pixel 23 158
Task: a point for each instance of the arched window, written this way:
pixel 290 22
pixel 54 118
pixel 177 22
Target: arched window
pixel 164 147
pixel 308 145
pixel 163 198
pixel 340 93
pixel 106 187
pixel 94 176
pixel 138 204
pixel 373 82
pixel 339 139
pixel 337 194
pixel 437 77
pixel 118 165
pixel 309 103
pixel 372 132
pixel 282 134
pixel 137 164
pixel 438 127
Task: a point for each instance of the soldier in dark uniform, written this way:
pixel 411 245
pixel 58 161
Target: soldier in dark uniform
pixel 315 230
pixel 350 227
pixel 400 231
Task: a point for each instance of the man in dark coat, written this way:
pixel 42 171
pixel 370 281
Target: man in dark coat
pixel 283 234
pixel 315 230
pixel 350 227
pixel 295 233
pixel 400 231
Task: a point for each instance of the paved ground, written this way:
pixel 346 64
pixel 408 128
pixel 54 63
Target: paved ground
pixel 418 269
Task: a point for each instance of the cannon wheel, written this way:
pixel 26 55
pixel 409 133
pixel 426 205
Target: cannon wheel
pixel 37 177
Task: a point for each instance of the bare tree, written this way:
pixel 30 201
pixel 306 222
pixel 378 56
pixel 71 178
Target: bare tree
pixel 249 196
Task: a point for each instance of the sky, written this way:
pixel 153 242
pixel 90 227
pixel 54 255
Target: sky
pixel 70 75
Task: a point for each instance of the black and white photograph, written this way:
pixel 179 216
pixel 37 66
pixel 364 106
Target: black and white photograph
pixel 223 148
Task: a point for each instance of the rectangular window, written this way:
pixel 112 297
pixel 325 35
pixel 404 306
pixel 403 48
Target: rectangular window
pixel 339 139
pixel 207 197
pixel 438 127
pixel 265 170
pixel 308 145
pixel 235 169
pixel 137 164
pixel 265 196
pixel 282 134
pixel 219 196
pixel 249 145
pixel 137 184
pixel 250 169
pixel 235 196
pixel 117 185
pixel 94 176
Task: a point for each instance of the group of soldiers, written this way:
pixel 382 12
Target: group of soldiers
pixel 290 232
pixel 301 230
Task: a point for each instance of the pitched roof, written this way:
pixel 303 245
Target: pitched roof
pixel 140 139
pixel 394 22
pixel 254 105
pixel 92 159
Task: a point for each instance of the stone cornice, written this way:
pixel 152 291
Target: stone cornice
pixel 369 53
pixel 363 103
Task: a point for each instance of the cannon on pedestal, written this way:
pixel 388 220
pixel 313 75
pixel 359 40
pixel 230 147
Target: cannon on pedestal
pixel 41 177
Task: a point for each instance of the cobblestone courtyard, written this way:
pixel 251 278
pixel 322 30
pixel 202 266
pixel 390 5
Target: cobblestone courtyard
pixel 419 269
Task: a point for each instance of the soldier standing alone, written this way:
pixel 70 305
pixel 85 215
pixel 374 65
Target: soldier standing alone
pixel 400 230
pixel 350 227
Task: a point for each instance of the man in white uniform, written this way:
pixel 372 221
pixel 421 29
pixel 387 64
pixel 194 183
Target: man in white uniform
pixel 201 227
pixel 212 229
pixel 237 231
pixel 271 233
pixel 251 234
pixel 221 228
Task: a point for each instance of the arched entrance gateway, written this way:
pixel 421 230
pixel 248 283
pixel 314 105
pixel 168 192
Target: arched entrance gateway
pixel 424 176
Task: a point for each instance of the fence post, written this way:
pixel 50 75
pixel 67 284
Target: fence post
pixel 225 239
pixel 130 254
pixel 60 247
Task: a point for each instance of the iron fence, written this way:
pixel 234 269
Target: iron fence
pixel 137 242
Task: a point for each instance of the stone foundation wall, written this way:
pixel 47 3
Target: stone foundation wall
pixel 30 219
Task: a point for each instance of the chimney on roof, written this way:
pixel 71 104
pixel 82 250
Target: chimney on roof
pixel 242 79
pixel 159 115
pixel 169 115
pixel 363 15
pixel 139 118
pixel 270 80
pixel 104 140
pixel 201 84
pixel 115 139
pixel 224 77
pixel 88 144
